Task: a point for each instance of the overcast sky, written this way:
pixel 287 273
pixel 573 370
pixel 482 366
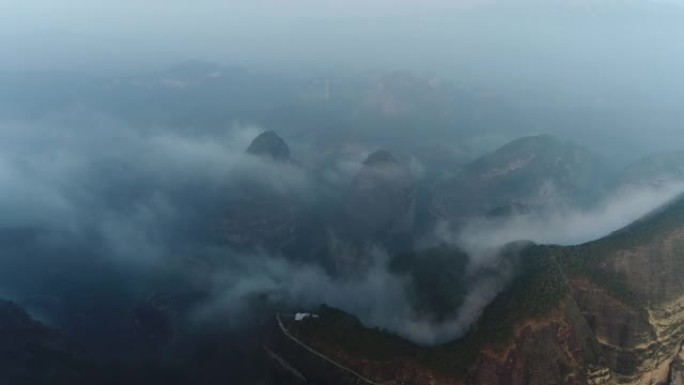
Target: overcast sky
pixel 466 37
pixel 620 56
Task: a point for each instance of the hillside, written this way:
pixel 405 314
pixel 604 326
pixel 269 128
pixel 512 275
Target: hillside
pixel 607 312
pixel 528 174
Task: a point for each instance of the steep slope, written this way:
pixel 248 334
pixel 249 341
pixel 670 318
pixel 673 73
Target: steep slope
pixel 530 173
pixel 630 289
pixel 378 209
pixel 655 170
pixel 31 352
pixel 381 200
pixel 606 312
pixel 260 212
pixel 269 144
pixel 533 333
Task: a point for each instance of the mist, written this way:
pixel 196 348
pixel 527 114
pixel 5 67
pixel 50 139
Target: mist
pixel 126 174
pixel 566 227
pixel 576 68
pixel 143 199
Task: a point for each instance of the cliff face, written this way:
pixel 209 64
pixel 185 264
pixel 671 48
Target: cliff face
pixel 639 344
pixel 554 349
pixel 676 375
pixel 629 287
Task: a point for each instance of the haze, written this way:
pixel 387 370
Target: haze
pixel 242 158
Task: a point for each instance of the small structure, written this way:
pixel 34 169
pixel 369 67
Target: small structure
pixel 301 316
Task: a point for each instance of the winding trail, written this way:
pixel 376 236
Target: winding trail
pixel 321 355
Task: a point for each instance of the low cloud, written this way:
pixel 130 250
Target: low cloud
pixel 139 198
pixel 566 227
pixel 378 297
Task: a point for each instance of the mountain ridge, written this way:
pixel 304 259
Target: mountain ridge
pixel 592 345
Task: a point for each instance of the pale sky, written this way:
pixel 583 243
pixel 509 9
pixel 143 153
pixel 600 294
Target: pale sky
pixel 517 43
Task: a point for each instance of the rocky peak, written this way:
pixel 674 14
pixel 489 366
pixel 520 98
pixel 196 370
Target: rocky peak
pixel 268 144
pixel 382 195
pixel 379 208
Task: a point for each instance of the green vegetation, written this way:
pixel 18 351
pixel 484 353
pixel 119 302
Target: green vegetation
pixel 585 260
pixel 438 277
pixel 538 288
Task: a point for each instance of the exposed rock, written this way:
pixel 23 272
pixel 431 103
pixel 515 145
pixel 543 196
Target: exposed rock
pixel 676 375
pixel 629 287
pixel 548 350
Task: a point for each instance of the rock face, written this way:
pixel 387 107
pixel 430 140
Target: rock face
pixel 555 349
pixel 530 173
pixel 676 375
pixel 629 287
pixel 269 144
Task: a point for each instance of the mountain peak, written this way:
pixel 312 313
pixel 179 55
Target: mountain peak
pixel 269 144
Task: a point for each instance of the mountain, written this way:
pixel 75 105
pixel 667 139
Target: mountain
pixel 379 208
pixel 629 288
pixel 268 144
pixel 609 311
pixel 655 170
pixel 400 94
pixel 259 212
pixel 381 200
pixel 31 353
pixel 531 173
